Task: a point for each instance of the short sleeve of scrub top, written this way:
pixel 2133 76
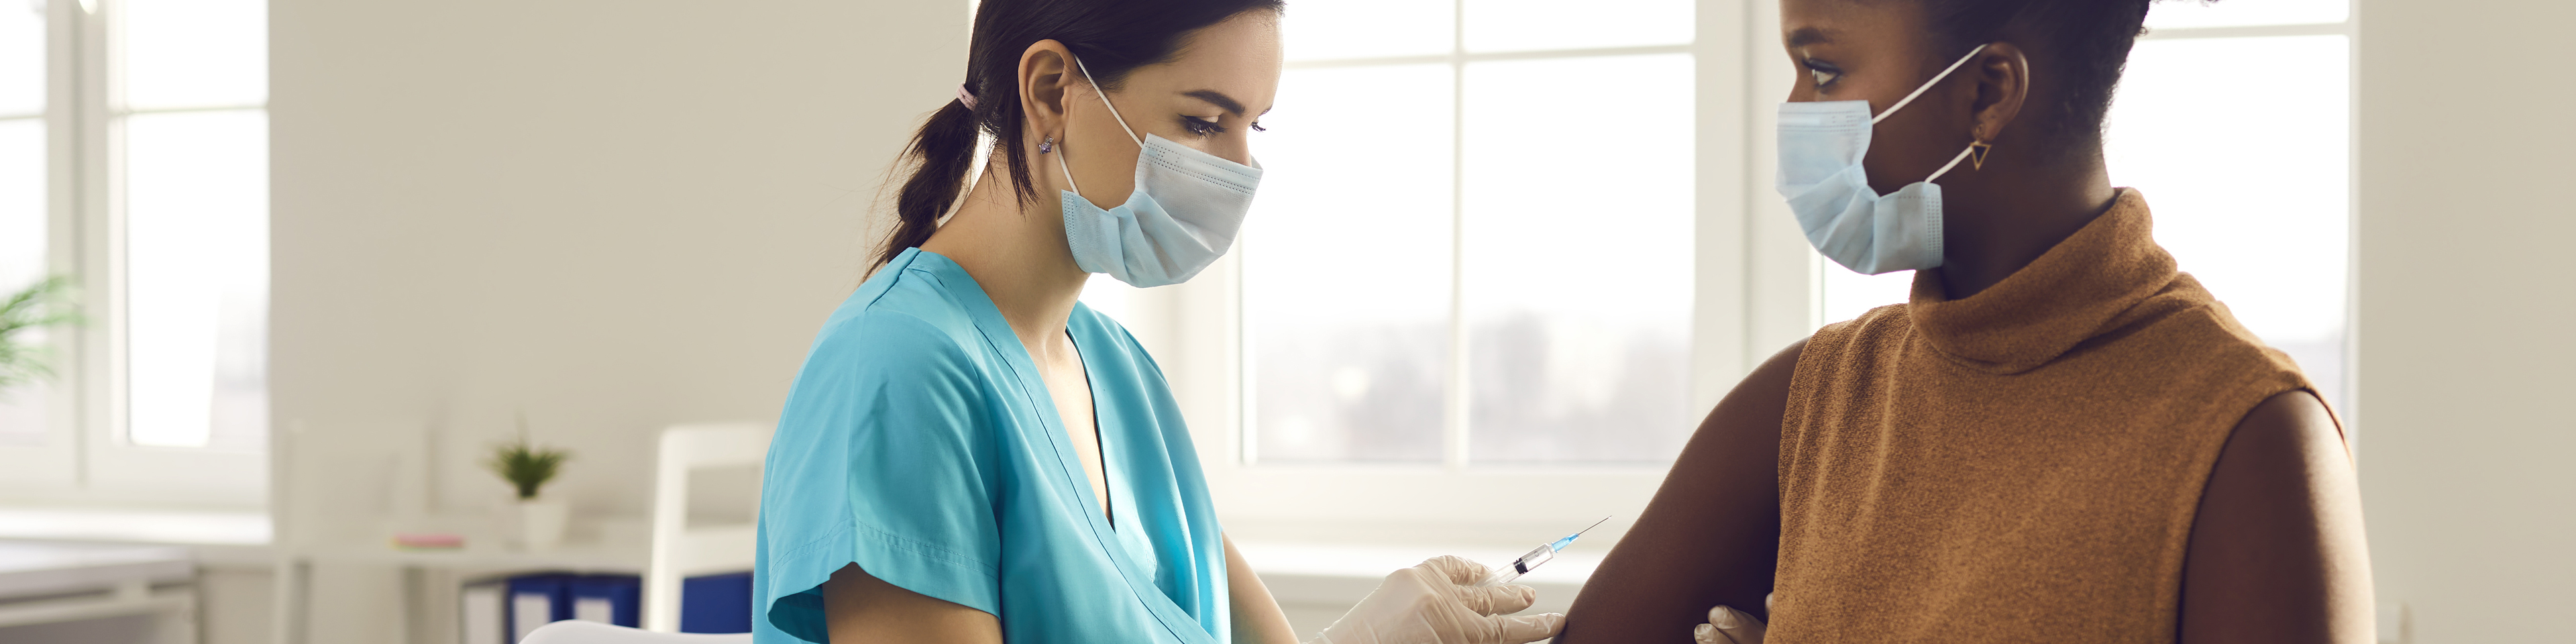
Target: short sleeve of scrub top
pixel 919 443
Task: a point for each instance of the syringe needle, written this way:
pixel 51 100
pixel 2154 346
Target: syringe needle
pixel 1595 524
pixel 1540 555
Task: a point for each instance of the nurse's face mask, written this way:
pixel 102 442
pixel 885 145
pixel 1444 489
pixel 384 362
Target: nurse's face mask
pixel 1182 215
pixel 1822 144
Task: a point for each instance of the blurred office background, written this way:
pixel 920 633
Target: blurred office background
pixel 331 252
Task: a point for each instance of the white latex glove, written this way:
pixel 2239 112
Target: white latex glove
pixel 1730 626
pixel 1438 603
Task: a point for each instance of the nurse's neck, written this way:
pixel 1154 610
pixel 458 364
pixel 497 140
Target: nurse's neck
pixel 1019 256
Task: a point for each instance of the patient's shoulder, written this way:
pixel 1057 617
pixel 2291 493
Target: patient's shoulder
pixel 1748 418
pixel 1780 366
pixel 2277 552
pixel 1762 398
pixel 1711 534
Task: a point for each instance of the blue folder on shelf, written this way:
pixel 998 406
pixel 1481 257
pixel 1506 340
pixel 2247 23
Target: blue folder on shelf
pixel 533 601
pixel 716 604
pixel 708 604
pixel 607 599
pixel 538 599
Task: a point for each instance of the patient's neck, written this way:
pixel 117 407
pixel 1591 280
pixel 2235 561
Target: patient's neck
pixel 1017 253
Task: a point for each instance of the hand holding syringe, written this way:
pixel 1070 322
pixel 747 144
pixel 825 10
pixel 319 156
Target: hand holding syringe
pixel 1530 561
pixel 1432 603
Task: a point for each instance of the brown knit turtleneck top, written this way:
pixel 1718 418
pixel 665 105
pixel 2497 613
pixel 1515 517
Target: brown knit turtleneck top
pixel 2017 466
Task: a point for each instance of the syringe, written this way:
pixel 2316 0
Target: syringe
pixel 1530 561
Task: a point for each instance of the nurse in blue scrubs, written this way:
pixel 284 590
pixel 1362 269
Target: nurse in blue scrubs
pixel 971 455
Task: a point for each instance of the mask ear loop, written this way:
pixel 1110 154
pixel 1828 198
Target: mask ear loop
pixel 1954 162
pixel 1068 172
pixel 1927 86
pixel 1113 113
pixel 1113 109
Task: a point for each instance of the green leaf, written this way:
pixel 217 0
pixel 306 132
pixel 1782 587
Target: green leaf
pixel 43 304
pixel 526 467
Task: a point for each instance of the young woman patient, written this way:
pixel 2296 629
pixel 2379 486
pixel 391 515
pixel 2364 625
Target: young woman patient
pixel 2058 438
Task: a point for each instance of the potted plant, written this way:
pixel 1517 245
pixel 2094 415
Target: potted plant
pixel 528 468
pixel 39 305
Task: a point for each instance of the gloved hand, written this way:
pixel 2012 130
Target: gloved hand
pixel 1438 603
pixel 1730 626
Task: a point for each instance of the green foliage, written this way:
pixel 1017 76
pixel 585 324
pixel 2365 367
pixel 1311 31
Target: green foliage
pixel 42 304
pixel 526 467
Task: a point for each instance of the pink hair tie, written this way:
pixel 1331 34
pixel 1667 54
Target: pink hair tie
pixel 966 98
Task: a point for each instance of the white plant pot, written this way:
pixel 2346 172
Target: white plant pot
pixel 541 523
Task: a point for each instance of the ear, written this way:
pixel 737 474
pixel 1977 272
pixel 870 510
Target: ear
pixel 2003 83
pixel 1045 75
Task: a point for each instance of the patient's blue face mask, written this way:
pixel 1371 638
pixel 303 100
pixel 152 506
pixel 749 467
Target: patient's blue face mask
pixel 1182 215
pixel 1822 144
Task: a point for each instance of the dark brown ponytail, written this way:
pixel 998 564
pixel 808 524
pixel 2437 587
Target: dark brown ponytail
pixel 1112 37
pixel 939 155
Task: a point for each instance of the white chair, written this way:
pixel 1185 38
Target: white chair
pixel 679 550
pixel 574 631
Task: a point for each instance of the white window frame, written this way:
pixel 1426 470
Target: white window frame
pixel 1745 269
pixel 2348 411
pixel 1758 288
pixel 85 456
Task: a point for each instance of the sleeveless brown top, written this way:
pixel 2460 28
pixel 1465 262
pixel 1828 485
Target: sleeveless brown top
pixel 2018 466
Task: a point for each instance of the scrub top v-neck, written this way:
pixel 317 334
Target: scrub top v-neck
pixel 919 443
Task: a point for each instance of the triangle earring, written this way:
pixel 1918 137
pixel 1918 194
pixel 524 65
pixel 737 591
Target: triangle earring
pixel 1977 154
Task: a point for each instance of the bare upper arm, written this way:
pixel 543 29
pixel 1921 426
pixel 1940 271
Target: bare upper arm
pixel 1712 533
pixel 2276 550
pixel 1257 618
pixel 858 607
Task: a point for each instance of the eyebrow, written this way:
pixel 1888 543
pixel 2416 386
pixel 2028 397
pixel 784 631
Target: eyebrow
pixel 1808 36
pixel 1219 99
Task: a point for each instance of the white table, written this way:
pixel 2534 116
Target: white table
pixel 50 582
pixel 430 578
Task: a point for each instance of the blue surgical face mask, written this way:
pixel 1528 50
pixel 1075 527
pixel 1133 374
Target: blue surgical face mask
pixel 1821 147
pixel 1182 215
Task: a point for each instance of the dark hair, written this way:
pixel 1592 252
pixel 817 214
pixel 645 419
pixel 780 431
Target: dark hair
pixel 2084 43
pixel 1111 37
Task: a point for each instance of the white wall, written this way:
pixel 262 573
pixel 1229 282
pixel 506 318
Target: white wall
pixel 614 215
pixel 2464 354
pixel 621 215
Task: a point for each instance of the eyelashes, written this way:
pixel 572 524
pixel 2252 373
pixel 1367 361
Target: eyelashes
pixel 1822 73
pixel 1208 127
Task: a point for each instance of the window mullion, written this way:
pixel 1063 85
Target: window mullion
pixel 88 199
pixel 1454 423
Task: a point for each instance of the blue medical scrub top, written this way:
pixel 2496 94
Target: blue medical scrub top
pixel 920 443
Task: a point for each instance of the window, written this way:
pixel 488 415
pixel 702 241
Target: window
pixel 134 158
pixel 2252 197
pixel 23 178
pixel 1492 234
pixel 1474 241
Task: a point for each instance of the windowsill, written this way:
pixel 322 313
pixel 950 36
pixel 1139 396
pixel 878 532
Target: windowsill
pixel 123 525
pixel 53 569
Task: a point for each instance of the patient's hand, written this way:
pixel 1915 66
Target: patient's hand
pixel 1731 626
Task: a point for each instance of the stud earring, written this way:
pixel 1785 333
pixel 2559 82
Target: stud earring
pixel 1977 154
pixel 1047 145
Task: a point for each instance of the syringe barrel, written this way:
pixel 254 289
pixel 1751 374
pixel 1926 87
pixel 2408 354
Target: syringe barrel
pixel 1527 562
